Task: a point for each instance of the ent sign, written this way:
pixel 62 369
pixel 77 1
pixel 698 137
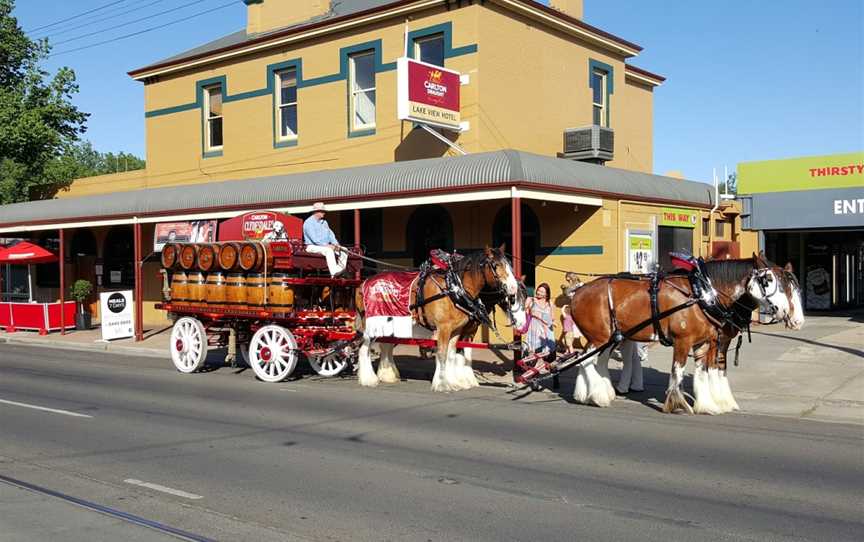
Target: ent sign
pixel 428 94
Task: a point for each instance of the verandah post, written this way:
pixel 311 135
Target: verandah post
pixel 62 281
pixel 139 288
pixel 516 236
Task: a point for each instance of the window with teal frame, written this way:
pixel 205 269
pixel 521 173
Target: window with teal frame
pixel 600 80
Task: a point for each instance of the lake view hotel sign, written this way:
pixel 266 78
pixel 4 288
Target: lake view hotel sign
pixel 428 94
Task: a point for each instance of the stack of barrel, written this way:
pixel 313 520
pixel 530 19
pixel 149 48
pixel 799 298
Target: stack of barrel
pixel 230 275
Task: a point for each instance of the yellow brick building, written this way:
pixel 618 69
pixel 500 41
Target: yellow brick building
pixel 310 87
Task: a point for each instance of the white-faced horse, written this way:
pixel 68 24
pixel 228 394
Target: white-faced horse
pixel 614 303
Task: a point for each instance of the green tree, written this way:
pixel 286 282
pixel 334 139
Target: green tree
pixel 730 185
pixel 38 121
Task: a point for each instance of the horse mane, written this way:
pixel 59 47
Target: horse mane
pixel 469 262
pixel 726 272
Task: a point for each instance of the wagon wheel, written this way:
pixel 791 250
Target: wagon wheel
pixel 273 353
pixel 188 345
pixel 329 365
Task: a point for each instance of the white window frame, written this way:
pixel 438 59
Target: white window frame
pixel 280 107
pixel 356 91
pixel 431 37
pixel 209 119
pixel 604 85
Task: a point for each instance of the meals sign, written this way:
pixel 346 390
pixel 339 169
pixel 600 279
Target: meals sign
pixel 428 94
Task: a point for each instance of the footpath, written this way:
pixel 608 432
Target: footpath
pixel 816 373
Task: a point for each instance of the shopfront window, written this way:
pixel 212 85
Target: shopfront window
pixel 48 275
pixel 119 252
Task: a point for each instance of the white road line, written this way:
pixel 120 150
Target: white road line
pixel 163 489
pixel 46 409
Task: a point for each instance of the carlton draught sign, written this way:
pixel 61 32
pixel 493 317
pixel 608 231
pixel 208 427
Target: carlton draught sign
pixel 428 94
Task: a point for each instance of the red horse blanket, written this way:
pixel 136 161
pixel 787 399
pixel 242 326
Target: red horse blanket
pixel 387 299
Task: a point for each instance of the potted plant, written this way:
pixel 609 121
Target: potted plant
pixel 80 291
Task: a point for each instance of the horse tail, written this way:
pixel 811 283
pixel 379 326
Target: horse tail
pixel 360 308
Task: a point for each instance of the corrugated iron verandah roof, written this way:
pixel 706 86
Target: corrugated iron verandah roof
pixel 474 172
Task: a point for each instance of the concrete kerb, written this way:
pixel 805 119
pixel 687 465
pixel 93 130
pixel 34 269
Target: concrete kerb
pixel 59 344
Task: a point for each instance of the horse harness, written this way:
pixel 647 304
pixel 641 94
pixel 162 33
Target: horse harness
pixel 702 292
pixel 440 264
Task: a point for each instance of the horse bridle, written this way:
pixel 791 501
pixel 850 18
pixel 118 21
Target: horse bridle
pixel 507 300
pixel 761 276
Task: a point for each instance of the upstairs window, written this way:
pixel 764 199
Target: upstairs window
pixel 213 126
pixel 430 49
pixel 362 87
pixel 286 104
pixel 599 85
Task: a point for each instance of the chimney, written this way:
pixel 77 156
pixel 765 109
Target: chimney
pixel 267 15
pixel 572 8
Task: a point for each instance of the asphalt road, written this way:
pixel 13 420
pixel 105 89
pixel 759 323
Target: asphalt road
pixel 229 458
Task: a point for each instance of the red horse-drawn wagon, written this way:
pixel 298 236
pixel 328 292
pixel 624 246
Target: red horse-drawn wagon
pixel 257 291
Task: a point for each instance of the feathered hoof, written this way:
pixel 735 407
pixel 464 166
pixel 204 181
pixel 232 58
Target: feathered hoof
pixel 706 407
pixel 443 387
pixel 469 378
pixel 367 380
pixel 676 402
pixel 388 375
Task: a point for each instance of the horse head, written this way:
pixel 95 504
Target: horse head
pixel 572 282
pixel 777 289
pixel 498 275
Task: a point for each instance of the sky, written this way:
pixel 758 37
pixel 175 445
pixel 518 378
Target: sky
pixel 747 79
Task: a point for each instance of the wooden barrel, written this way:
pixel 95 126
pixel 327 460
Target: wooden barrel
pixel 251 257
pixel 235 290
pixel 216 291
pixel 208 257
pixel 280 295
pixel 188 256
pixel 179 287
pixel 170 254
pixel 196 287
pixel 229 255
pixel 255 289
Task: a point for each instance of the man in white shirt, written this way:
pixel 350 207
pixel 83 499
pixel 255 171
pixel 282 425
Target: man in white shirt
pixel 320 239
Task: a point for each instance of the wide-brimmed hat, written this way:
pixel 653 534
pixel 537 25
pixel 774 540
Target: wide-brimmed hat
pixel 318 207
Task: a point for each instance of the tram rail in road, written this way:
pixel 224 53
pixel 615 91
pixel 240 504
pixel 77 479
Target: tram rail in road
pixel 107 511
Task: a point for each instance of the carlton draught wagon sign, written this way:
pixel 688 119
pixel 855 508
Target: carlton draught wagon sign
pixel 428 94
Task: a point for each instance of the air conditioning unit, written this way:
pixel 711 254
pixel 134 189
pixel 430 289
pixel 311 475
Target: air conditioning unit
pixel 589 144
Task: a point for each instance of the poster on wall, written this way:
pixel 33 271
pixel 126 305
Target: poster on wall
pixel 195 231
pixel 818 291
pixel 116 311
pixel 640 252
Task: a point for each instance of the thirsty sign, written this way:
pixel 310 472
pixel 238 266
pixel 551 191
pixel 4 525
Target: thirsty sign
pixel 428 94
pixel 115 308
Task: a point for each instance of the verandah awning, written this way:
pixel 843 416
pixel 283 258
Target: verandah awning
pixel 490 175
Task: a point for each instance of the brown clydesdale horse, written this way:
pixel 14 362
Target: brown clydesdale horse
pixel 689 329
pixel 487 272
